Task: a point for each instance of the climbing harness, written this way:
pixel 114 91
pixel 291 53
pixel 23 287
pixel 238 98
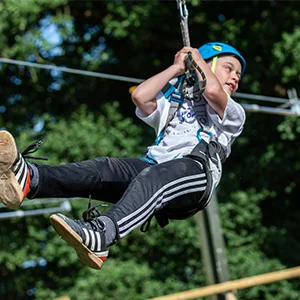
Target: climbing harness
pixel 203 152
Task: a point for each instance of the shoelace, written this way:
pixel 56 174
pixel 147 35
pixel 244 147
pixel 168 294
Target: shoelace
pixel 92 214
pixel 31 149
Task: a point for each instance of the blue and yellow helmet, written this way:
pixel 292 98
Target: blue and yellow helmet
pixel 213 49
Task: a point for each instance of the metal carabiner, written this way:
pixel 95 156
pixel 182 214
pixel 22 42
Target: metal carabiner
pixel 184 14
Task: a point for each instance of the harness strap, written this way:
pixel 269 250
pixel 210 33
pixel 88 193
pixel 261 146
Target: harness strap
pixel 175 97
pixel 215 147
pixel 168 89
pixel 149 160
pixel 161 219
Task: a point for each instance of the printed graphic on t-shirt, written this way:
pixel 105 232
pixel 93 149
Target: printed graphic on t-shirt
pixel 188 116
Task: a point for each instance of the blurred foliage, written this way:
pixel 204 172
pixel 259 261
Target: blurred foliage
pixel 79 117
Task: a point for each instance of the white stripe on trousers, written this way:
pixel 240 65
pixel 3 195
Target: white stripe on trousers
pixel 161 197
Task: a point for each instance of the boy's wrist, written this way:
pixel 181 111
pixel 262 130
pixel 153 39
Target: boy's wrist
pixel 177 70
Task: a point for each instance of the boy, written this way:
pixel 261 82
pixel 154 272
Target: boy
pixel 195 128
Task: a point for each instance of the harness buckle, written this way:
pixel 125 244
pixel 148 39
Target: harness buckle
pixel 176 96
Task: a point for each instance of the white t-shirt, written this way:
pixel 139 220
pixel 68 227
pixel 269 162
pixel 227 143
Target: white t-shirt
pixel 182 133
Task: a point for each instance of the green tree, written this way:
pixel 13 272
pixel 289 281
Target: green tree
pixel 258 194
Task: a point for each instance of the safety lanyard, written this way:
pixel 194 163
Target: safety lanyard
pixel 190 78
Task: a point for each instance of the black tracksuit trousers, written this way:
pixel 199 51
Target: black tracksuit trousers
pixel 138 189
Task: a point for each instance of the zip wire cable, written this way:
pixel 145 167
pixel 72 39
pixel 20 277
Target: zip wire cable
pixel 69 70
pixel 248 107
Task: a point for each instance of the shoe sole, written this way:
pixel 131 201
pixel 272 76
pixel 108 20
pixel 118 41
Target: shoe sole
pixel 11 193
pixel 86 256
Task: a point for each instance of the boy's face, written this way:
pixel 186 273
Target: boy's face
pixel 228 71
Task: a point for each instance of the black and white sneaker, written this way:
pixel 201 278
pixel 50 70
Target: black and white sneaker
pixel 14 172
pixel 86 237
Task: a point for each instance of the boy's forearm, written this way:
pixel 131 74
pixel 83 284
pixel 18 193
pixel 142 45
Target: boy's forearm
pixel 213 93
pixel 144 96
pixel 149 89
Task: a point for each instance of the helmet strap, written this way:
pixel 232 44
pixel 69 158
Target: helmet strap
pixel 214 63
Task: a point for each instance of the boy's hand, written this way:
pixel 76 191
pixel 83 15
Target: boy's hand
pixel 181 56
pixel 195 53
pixel 179 60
